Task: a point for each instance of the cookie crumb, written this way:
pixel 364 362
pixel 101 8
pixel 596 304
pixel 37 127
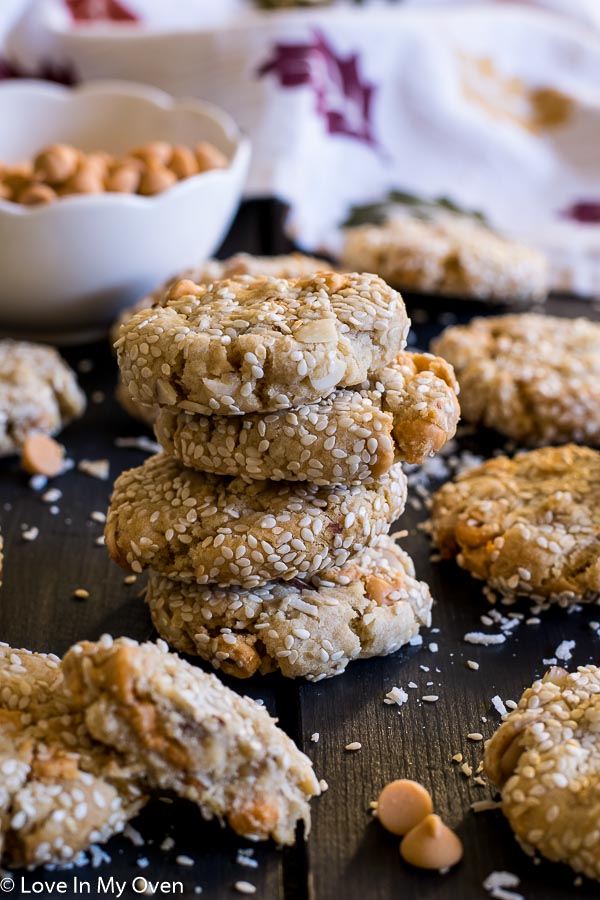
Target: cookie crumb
pixel 97 468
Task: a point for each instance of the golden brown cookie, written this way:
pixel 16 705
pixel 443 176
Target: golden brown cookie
pixel 193 526
pixel 312 629
pixel 528 525
pixel 545 758
pixel 533 378
pixel 256 344
pixel 406 412
pixel 194 736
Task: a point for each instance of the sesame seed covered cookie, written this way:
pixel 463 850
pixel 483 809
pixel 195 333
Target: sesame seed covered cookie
pixel 193 735
pixel 405 412
pixel 256 344
pixel 371 606
pixel 288 265
pixel 450 255
pixel 193 526
pixel 38 393
pixel 528 525
pixel 60 791
pixel 545 758
pixel 534 378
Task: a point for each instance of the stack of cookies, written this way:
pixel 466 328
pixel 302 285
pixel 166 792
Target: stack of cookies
pixel 285 408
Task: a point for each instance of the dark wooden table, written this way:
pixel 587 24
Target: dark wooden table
pixel 347 855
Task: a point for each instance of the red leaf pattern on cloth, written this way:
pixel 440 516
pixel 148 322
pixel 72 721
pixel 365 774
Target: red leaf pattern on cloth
pixel 585 211
pixel 100 10
pixel 61 73
pixel 344 99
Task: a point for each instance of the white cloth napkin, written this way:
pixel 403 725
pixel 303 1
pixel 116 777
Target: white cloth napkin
pixel 494 104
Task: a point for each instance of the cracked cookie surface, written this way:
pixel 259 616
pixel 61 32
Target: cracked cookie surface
pixel 448 255
pixel 193 735
pixel 545 758
pixel 528 525
pixel 405 412
pixel 255 344
pixel 193 526
pixel 38 393
pixel 533 378
pixel 371 606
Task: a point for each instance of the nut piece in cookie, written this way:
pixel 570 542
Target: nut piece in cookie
pixel 38 393
pixel 193 736
pixel 192 526
pixel 545 758
pixel 527 525
pixel 371 606
pixel 407 411
pixel 447 254
pixel 533 378
pixel 60 790
pixel 257 344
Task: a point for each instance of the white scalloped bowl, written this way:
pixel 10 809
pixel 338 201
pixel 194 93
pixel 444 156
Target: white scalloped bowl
pixel 69 267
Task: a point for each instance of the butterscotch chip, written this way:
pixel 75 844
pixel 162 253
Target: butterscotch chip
pixel 37 194
pixel 154 153
pixel 545 758
pixel 405 412
pixel 209 157
pixel 183 162
pixel 253 344
pixel 449 255
pixel 527 525
pixel 431 845
pixel 156 179
pixel 192 526
pixel 38 393
pixel 56 164
pixel 534 378
pixel 42 455
pixel 402 804
pixel 310 628
pixel 193 735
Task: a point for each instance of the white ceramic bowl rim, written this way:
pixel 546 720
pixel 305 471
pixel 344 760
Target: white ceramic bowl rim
pixel 147 94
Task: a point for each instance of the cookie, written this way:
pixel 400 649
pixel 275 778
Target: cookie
pixel 312 629
pixel 207 528
pixel 405 412
pixel 528 525
pixel 38 393
pixel 256 344
pixel 292 265
pixel 193 736
pixel 545 758
pixel 60 791
pixel 533 378
pixel 449 255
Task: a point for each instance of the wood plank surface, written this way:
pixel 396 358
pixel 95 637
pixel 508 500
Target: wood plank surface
pixel 347 854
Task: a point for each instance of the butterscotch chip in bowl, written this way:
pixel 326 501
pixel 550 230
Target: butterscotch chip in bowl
pixel 194 526
pixel 533 378
pixel 527 525
pixel 261 344
pixel 305 628
pixel 545 758
pixel 407 411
